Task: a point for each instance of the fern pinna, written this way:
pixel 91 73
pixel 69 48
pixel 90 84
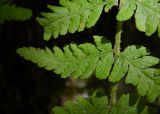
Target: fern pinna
pixel 73 16
pixel 10 11
pixel 134 64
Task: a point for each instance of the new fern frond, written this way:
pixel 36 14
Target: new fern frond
pixel 147 14
pixel 76 61
pixel 72 16
pixel 99 105
pixel 12 12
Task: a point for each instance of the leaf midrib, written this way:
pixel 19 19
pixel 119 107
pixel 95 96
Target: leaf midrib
pixel 75 12
pixel 99 54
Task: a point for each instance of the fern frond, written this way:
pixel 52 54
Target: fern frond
pixel 77 61
pixel 98 105
pixel 81 61
pixel 137 65
pixel 147 14
pixel 71 16
pixel 12 12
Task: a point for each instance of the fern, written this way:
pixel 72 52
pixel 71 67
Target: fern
pixel 99 105
pixel 83 60
pixel 72 16
pixel 12 12
pixel 147 14
pixel 138 64
pixel 77 61
pixel 133 64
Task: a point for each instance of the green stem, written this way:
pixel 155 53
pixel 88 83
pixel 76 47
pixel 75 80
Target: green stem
pixel 113 98
pixel 117 44
pixel 117 48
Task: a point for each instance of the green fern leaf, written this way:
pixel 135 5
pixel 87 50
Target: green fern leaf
pixel 81 61
pixel 12 12
pixel 136 65
pixel 77 61
pixel 147 14
pixel 72 16
pixel 98 105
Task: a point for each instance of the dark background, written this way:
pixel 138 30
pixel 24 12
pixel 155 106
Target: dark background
pixel 28 89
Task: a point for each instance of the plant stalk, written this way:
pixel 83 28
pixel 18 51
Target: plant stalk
pixel 117 47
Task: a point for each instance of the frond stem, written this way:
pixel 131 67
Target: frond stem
pixel 117 48
pixel 117 44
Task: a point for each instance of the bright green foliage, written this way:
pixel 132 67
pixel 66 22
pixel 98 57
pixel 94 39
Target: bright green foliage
pixel 77 61
pixel 72 16
pixel 98 105
pixel 147 14
pixel 137 64
pixel 12 12
pixel 83 60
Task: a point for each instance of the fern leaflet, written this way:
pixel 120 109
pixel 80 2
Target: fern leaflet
pixel 72 16
pixel 147 14
pixel 77 61
pixel 98 105
pixel 12 12
pixel 137 64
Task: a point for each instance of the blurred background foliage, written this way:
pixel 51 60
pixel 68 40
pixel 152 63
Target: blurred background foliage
pixel 27 89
